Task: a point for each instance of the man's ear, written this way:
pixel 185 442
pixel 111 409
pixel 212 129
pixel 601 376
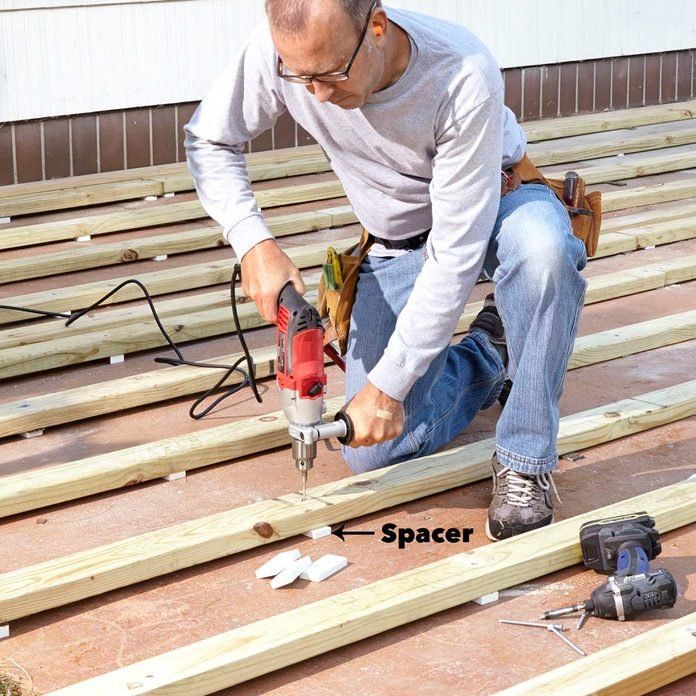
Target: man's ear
pixel 379 23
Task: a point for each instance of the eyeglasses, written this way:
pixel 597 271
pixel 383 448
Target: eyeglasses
pixel 340 76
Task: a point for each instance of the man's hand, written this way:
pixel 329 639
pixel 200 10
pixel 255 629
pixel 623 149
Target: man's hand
pixel 265 271
pixel 376 417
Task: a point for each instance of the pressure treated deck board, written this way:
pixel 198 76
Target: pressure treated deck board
pixel 86 256
pixel 94 194
pixel 167 281
pixel 305 257
pixel 230 658
pixel 568 126
pixel 649 194
pixel 144 248
pixel 632 339
pixel 55 583
pixel 666 228
pixel 51 485
pixel 308 160
pixel 124 220
pixel 544 129
pixel 144 334
pixel 616 168
pixel 632 667
pixel 202 275
pixel 268 157
pixel 46 410
pixel 595 145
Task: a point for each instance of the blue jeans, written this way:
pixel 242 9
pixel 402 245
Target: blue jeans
pixel 535 262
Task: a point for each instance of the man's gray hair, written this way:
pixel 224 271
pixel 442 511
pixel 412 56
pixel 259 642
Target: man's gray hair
pixel 290 16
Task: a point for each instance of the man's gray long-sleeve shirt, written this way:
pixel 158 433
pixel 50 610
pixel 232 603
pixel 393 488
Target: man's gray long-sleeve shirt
pixel 424 153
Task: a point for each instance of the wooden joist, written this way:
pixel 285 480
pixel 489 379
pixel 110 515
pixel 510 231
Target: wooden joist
pixel 46 410
pixel 639 665
pixel 57 484
pixel 143 334
pixel 88 573
pixel 261 647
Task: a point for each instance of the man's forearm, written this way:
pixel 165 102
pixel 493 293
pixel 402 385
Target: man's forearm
pixel 223 187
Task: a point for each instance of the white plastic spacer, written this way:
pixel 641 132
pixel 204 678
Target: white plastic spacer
pixel 149 199
pixel 116 359
pixel 171 194
pixel 487 598
pixel 32 433
pixel 161 257
pixel 324 567
pixel 5 220
pixel 5 631
pixel 289 574
pixel 649 248
pixel 318 533
pixel 278 563
pixel 84 238
pixel 175 476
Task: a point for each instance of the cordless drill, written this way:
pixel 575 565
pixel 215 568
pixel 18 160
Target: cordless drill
pixel 302 380
pixel 624 546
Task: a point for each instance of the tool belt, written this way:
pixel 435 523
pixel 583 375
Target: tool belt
pixel 584 209
pixel 338 284
pixel 336 303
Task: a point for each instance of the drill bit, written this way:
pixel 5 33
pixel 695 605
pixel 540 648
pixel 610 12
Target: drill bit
pixel 562 612
pixel 304 485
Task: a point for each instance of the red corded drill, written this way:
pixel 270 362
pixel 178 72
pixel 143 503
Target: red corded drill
pixel 302 380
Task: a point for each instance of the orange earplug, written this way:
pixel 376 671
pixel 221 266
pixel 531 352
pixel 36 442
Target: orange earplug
pixel 378 31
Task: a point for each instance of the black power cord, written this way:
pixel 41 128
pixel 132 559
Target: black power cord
pixel 249 378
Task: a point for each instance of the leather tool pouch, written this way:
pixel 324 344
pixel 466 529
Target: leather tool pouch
pixel 337 305
pixel 585 224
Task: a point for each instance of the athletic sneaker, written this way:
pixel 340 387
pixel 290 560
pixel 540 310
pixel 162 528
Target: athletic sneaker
pixel 521 502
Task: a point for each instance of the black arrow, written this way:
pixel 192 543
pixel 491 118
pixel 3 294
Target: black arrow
pixel 341 533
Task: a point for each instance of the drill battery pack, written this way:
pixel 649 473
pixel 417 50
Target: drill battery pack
pixel 623 544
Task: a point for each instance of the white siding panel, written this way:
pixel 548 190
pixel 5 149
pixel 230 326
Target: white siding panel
pixel 82 59
pixel 60 56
